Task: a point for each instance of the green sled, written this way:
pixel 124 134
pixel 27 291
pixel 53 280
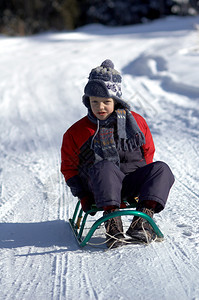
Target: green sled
pixel 79 218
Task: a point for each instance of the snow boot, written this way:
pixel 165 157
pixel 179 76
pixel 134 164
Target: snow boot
pixel 114 230
pixel 140 230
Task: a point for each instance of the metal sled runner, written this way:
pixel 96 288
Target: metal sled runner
pixel 78 221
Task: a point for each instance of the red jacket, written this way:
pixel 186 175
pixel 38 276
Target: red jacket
pixel 79 133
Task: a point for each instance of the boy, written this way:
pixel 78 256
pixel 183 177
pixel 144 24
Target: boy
pixel 107 157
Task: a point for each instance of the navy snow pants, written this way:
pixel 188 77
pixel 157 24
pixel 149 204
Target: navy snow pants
pixel 110 185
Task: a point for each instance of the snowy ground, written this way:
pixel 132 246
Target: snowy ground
pixel 41 84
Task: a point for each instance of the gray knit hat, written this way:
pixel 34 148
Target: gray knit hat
pixel 104 81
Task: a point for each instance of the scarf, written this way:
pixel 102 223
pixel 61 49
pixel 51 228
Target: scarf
pixel 118 132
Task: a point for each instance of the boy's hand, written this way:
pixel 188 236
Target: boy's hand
pixel 86 204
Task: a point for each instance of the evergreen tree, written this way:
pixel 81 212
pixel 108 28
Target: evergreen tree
pixel 118 12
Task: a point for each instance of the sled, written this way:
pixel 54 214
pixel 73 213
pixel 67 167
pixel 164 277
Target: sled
pixel 79 218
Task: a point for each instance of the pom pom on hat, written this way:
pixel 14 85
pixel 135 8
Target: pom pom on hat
pixel 107 64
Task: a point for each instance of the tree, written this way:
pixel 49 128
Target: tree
pixel 119 12
pixel 33 16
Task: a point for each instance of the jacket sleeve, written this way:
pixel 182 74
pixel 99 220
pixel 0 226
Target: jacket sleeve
pixel 69 165
pixel 149 147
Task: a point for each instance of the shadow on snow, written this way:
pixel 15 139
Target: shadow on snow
pixel 42 234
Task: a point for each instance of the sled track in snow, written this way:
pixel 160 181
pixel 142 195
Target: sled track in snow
pixel 175 220
pixel 23 289
pixel 45 199
pixel 60 260
pixel 79 266
pixel 60 265
pixel 140 97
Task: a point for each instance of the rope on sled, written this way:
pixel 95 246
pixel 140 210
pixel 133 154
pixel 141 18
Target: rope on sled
pixel 124 241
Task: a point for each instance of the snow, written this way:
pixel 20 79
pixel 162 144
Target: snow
pixel 41 84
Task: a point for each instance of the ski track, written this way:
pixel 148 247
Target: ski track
pixel 40 258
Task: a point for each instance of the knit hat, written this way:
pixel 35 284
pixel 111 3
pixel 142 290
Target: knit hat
pixel 104 81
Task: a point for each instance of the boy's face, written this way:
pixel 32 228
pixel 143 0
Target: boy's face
pixel 102 108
